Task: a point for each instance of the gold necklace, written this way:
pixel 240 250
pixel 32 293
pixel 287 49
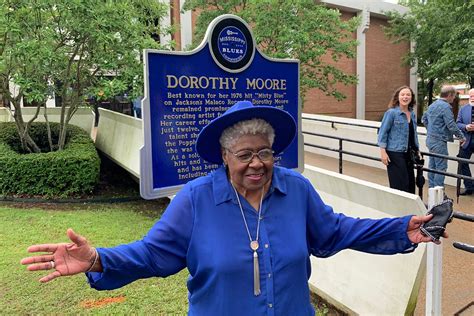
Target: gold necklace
pixel 253 243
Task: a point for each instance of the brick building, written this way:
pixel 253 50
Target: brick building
pixel 378 64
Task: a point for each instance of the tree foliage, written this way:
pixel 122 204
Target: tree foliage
pixel 443 33
pixel 299 29
pixel 68 48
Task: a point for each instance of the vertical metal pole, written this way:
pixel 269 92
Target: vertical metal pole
pixel 434 261
pixel 340 156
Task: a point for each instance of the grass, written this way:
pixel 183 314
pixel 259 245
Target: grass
pixel 21 293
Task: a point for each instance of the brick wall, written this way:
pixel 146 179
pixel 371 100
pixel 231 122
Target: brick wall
pixel 176 20
pixel 384 71
pixel 316 102
pixel 384 74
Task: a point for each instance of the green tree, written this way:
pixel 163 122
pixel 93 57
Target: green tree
pixel 67 47
pixel 299 29
pixel 457 55
pixel 443 33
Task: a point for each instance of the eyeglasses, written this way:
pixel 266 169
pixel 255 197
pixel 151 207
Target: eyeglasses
pixel 246 156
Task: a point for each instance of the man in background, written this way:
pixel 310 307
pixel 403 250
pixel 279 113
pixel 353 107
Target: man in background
pixel 440 126
pixel 137 107
pixel 465 123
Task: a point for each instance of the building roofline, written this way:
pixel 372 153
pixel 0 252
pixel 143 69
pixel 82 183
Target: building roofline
pixel 376 8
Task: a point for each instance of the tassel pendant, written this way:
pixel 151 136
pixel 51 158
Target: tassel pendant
pixel 256 275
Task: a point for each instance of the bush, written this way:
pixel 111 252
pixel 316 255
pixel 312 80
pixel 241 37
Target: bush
pixel 72 171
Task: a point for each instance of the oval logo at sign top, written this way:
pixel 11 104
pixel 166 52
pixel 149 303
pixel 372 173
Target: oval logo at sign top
pixel 232 44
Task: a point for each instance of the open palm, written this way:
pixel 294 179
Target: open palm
pixel 69 258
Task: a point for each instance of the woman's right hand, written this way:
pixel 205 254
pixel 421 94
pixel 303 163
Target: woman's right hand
pixel 384 156
pixel 64 258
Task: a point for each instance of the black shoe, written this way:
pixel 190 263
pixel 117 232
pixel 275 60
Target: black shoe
pixel 466 192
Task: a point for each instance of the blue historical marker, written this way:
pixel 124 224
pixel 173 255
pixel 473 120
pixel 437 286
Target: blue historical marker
pixel 184 91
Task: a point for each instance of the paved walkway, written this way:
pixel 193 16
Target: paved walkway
pixel 458 265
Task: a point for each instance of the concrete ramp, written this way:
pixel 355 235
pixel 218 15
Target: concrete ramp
pixel 120 138
pixel 362 283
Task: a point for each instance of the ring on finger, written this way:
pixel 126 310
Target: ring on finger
pixel 52 264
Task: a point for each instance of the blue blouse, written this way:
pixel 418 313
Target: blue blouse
pixel 202 229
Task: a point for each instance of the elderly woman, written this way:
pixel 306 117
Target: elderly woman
pixel 245 231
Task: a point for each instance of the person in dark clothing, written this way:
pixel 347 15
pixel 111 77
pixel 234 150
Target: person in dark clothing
pixel 397 138
pixel 465 122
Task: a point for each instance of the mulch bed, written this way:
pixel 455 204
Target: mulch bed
pixel 116 186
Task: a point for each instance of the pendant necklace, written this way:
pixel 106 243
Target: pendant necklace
pixel 253 243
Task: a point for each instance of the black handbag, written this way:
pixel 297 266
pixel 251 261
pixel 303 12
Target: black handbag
pixel 442 215
pixel 415 159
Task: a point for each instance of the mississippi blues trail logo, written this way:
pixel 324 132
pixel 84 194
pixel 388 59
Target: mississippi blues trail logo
pixel 231 44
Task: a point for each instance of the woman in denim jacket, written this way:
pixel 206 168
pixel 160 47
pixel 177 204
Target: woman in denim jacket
pixel 397 136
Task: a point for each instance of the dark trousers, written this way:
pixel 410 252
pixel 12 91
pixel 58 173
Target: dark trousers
pixel 465 170
pixel 401 174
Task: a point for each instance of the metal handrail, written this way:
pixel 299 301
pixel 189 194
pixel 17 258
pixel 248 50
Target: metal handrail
pixel 424 153
pixel 463 246
pixel 454 175
pixel 347 123
pixel 463 216
pixel 419 168
pixel 342 138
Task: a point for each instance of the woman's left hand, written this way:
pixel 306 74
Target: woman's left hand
pixel 414 233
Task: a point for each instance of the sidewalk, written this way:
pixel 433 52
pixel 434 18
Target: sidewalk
pixel 458 265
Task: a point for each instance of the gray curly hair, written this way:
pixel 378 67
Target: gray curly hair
pixel 254 126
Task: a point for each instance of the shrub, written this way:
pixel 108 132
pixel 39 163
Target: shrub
pixel 72 171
